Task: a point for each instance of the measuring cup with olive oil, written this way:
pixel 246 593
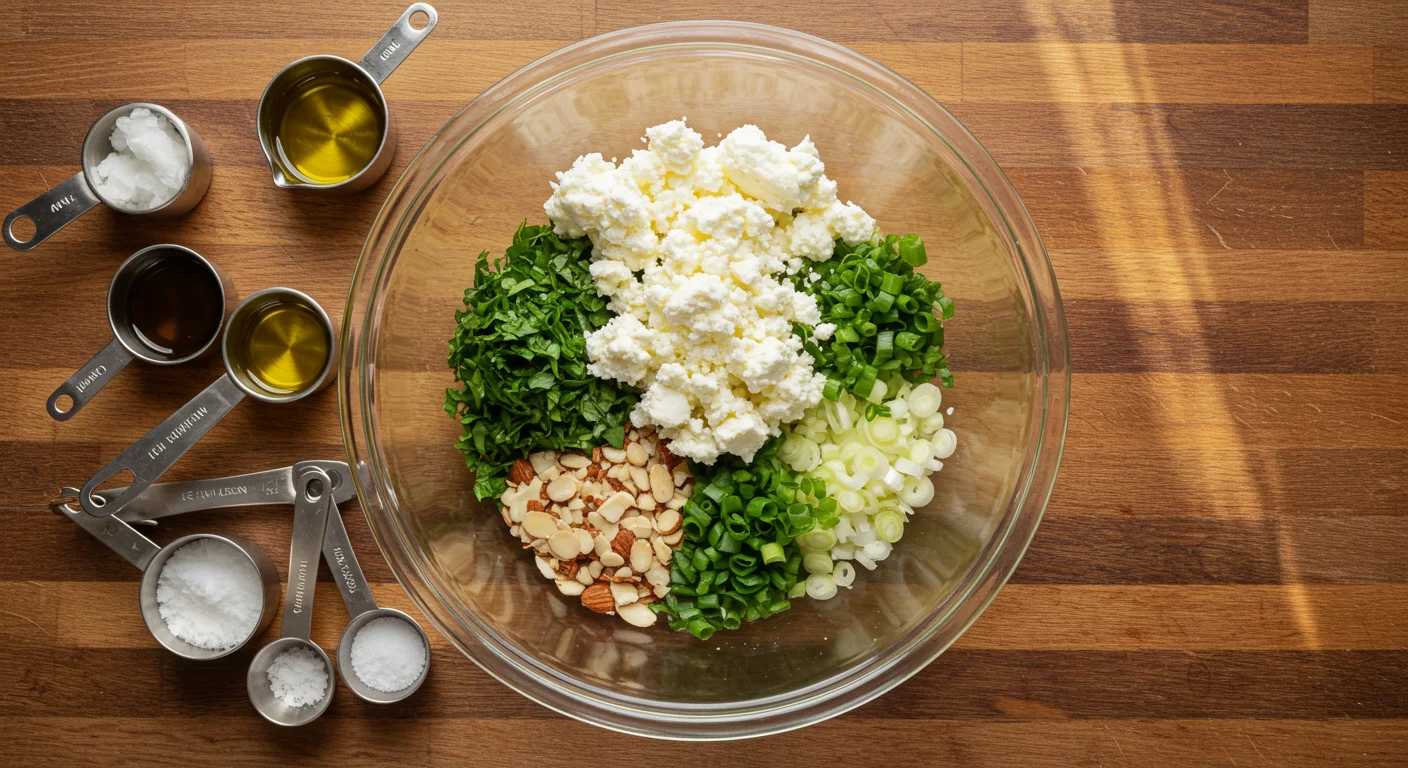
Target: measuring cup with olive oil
pixel 323 121
pixel 166 305
pixel 278 347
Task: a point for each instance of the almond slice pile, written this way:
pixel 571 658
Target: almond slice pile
pixel 603 527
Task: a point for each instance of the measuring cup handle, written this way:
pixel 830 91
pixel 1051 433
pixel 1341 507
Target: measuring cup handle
pixel 116 534
pixel 311 509
pixel 397 43
pixel 149 457
pixel 54 210
pixel 90 379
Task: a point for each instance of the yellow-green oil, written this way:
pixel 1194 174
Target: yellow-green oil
pixel 328 128
pixel 284 348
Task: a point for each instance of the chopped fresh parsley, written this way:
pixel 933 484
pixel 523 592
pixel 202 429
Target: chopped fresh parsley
pixel 520 356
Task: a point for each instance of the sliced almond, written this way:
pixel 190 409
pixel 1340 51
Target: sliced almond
pixel 564 545
pixel 545 568
pixel 635 454
pixel 680 475
pixel 673 539
pixel 612 560
pixel 639 525
pixel 584 540
pixel 550 474
pixel 539 524
pixel 613 454
pixel 584 575
pixel 563 488
pixel 640 477
pixel 646 502
pixel 677 503
pixel 580 474
pixel 661 592
pixel 574 461
pixel 658 575
pixel 641 555
pixel 663 553
pixel 623 594
pixel 637 614
pixel 624 574
pixel 661 483
pixel 594 569
pixel 612 509
pixel 576 505
pixel 601 545
pixel 668 521
pixel 623 542
pixel 571 588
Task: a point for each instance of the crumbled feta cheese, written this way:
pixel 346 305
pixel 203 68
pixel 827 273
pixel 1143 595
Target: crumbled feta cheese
pixel 705 329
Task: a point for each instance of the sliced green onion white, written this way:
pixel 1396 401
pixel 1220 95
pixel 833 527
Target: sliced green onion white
pixel 878 471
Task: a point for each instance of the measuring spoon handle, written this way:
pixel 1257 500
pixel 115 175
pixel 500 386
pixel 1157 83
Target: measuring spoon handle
pixel 52 211
pixel 311 509
pixel 337 550
pixel 397 43
pixel 90 379
pixel 152 455
pixel 116 534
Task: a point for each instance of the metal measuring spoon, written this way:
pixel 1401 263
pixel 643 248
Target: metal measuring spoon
pixel 57 208
pixel 154 453
pixel 361 609
pixel 150 558
pixel 272 486
pixel 311 509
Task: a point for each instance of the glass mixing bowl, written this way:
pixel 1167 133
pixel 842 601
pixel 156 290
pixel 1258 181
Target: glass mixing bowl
pixel 893 150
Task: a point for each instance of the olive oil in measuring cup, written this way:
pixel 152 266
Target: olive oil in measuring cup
pixel 284 347
pixel 328 127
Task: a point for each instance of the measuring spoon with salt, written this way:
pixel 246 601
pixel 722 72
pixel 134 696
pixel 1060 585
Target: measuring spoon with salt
pixel 311 509
pixel 149 558
pixel 361 609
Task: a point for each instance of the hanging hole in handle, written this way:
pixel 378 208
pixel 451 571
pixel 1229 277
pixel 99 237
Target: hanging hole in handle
pixel 23 229
pixel 419 20
pixel 63 403
pixel 120 479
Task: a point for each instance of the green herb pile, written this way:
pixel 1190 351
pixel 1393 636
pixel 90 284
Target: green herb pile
pixel 884 316
pixel 519 353
pixel 739 560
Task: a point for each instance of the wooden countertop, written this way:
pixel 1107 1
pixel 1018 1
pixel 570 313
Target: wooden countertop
pixel 1220 577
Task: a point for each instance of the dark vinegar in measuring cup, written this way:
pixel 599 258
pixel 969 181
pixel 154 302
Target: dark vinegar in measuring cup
pixel 176 307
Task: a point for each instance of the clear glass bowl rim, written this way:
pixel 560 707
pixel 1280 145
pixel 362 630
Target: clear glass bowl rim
pixel 814 703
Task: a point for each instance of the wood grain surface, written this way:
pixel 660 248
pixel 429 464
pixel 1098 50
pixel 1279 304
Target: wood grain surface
pixel 1222 574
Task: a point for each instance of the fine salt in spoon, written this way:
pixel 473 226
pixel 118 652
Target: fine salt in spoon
pixel 311 508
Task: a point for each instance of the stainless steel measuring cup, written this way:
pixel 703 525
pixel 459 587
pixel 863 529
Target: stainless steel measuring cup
pixel 57 208
pixel 128 344
pixel 370 71
pixel 153 454
pixel 150 558
pixel 272 486
pixel 361 609
pixel 311 509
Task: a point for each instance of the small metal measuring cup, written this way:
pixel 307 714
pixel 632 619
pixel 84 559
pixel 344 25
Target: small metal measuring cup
pixel 153 454
pixel 361 609
pixel 60 206
pixel 128 344
pixel 371 70
pixel 311 509
pixel 150 559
